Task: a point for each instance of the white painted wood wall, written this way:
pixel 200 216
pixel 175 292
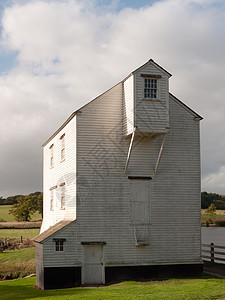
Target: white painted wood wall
pixel 103 207
pixel 62 172
pixel 151 115
pixel 128 103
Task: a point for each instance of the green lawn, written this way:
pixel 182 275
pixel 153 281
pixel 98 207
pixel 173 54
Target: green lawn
pixel 174 289
pixel 4 214
pixel 24 254
pixel 11 233
pixel 17 263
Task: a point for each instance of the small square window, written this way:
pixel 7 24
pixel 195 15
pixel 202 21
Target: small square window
pixel 59 244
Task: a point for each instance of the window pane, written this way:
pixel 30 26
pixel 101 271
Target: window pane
pixel 150 88
pixel 57 246
pixel 146 83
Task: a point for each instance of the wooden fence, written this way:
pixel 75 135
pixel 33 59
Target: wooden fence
pixel 15 243
pixel 210 252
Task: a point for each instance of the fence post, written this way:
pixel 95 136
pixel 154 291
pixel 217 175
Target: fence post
pixel 212 252
pixel 21 239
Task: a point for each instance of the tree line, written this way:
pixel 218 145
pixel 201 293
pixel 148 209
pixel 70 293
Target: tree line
pixel 23 206
pixel 211 198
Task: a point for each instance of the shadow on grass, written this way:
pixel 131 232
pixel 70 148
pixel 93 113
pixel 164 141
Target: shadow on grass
pixel 157 289
pixel 25 289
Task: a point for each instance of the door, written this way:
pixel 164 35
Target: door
pixel 93 267
pixel 140 198
pixel 140 210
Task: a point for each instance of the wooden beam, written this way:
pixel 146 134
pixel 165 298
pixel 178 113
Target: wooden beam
pixel 160 152
pixel 129 151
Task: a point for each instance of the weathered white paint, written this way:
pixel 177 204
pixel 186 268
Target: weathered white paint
pixel 64 171
pixel 103 199
pixel 128 105
pixel 140 202
pixel 151 115
pixel 93 266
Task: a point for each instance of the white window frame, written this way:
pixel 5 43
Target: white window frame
pixel 51 200
pixel 63 196
pixel 59 245
pixel 62 138
pixel 150 88
pixel 52 197
pixel 51 156
pixel 156 79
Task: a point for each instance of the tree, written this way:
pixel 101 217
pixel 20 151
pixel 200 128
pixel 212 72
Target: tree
pixel 211 210
pixel 26 206
pixel 208 198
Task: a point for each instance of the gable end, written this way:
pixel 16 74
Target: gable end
pixel 197 116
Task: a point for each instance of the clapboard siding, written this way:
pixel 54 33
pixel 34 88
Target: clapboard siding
pixel 128 105
pixel 39 265
pixel 104 201
pixel 63 171
pixel 98 193
pixel 151 115
pixel 65 258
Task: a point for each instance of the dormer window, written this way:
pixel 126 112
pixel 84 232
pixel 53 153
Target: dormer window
pixel 150 90
pixel 150 86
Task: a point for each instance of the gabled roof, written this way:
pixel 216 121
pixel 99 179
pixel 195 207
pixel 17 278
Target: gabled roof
pixel 51 230
pixel 154 63
pixel 186 107
pixel 76 112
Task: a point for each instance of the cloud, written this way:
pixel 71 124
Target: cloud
pixel 68 52
pixel 214 182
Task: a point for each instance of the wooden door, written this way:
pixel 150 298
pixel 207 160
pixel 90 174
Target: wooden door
pixel 140 198
pixel 93 267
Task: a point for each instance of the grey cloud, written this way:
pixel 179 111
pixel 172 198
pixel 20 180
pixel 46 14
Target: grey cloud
pixel 78 51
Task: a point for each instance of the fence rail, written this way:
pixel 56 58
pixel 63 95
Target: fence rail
pixel 15 243
pixel 209 252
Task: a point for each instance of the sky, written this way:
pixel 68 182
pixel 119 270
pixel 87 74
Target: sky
pixel 56 55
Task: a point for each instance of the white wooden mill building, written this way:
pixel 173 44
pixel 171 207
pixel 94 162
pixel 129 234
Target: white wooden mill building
pixel 122 188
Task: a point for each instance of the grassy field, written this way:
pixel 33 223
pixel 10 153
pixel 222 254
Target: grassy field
pixel 4 214
pixel 213 219
pixel 204 288
pixel 11 233
pixel 17 263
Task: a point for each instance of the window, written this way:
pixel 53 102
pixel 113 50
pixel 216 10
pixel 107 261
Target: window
pixel 63 198
pixel 62 138
pixel 51 156
pixel 52 200
pixel 150 88
pixel 52 196
pixel 59 244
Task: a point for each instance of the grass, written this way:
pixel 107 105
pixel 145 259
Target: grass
pixel 24 254
pixel 4 214
pixel 11 233
pixel 17 263
pixel 203 288
pixel 219 216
